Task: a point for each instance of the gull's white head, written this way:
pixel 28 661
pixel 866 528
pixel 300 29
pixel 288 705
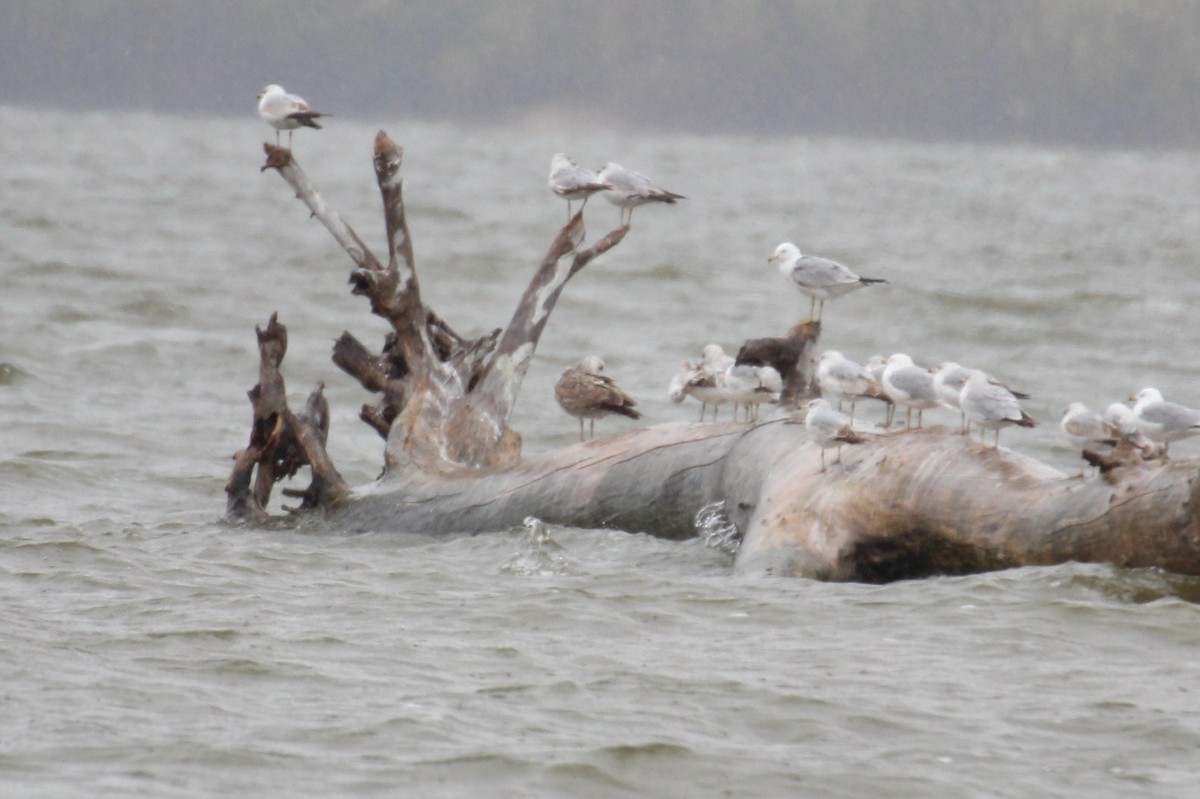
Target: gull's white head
pixel 830 356
pixel 271 88
pixel 899 359
pixel 1146 396
pixel 592 364
pixel 1076 407
pixel 712 353
pixel 560 159
pixel 786 253
pixel 1119 414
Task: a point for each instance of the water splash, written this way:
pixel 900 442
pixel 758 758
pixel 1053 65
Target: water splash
pixel 715 528
pixel 538 555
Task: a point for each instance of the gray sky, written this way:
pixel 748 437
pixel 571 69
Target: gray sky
pixel 1107 72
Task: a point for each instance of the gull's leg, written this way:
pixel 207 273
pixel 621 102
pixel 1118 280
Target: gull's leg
pixel 908 417
pixel 591 428
pixel 920 422
pixel 581 428
pixel 852 404
pixel 822 459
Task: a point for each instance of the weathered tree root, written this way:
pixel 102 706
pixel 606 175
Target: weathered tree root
pixel 280 441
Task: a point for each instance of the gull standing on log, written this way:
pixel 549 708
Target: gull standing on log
pixel 991 405
pixel 1086 427
pixel 844 379
pixel 909 385
pixel 829 428
pixel 573 182
pixel 819 278
pixel 284 111
pixel 585 392
pixel 1163 421
pixel 628 189
pixel 948 382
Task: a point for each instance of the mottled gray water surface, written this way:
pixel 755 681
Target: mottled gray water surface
pixel 152 650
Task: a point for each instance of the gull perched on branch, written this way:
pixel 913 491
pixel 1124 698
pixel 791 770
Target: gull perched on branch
pixel 284 111
pixel 819 278
pixel 585 392
pixel 573 182
pixel 629 189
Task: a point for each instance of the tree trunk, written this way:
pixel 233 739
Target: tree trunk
pixel 901 505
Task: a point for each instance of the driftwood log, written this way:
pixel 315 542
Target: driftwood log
pixel 901 505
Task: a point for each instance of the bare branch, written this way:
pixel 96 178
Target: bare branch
pixel 280 159
pixel 501 380
pixel 388 157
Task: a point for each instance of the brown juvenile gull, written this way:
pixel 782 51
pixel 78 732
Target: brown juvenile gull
pixel 573 182
pixel 819 278
pixel 284 111
pixel 585 392
pixel 629 189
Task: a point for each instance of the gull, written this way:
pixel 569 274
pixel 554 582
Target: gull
pixel 709 385
pixel 629 189
pixel 1086 427
pixel 679 388
pixel 284 111
pixel 750 386
pixel 910 386
pixel 990 405
pixel 948 382
pixel 829 428
pixel 819 278
pixel 1121 417
pixel 1163 421
pixel 840 377
pixel 585 392
pixel 573 182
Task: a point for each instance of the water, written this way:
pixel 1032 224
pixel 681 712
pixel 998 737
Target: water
pixel 152 650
